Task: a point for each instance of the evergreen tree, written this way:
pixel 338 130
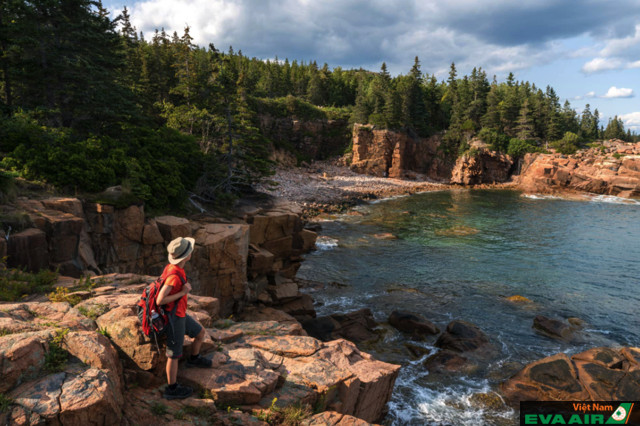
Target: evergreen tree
pixel 615 129
pixel 586 123
pixel 417 110
pixel 525 128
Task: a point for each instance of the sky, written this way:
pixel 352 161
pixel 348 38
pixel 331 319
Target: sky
pixel 587 50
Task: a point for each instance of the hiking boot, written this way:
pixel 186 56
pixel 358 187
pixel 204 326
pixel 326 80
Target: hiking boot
pixel 200 361
pixel 180 392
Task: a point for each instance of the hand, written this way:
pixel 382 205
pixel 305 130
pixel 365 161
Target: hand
pixel 186 288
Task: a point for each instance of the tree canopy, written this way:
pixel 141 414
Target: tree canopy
pixel 87 102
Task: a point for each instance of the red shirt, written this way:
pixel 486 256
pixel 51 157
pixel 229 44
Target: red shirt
pixel 173 273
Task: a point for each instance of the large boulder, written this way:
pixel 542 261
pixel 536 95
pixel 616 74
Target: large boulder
pixel 413 324
pixel 219 264
pixel 172 227
pixel 357 326
pixel 599 374
pixel 79 397
pixel 483 166
pixel 553 328
pixel 461 336
pixel 22 357
pixel 332 418
pixel 135 349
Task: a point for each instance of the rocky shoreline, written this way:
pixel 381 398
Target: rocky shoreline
pixel 332 187
pixel 106 372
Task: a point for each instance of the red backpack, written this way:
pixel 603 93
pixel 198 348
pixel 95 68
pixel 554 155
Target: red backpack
pixel 154 318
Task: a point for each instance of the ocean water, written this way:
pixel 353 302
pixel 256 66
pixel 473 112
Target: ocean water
pixel 459 255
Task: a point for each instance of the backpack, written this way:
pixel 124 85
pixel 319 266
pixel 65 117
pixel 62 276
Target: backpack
pixel 154 318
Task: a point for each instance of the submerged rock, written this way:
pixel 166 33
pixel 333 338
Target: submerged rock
pixel 553 328
pixel 519 299
pixel 462 336
pixel 413 324
pixel 457 231
pixel 357 326
pixel 447 361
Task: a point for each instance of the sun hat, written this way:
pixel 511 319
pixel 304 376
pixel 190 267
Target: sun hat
pixel 179 249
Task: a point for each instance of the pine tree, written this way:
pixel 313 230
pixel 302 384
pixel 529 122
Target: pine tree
pixel 525 127
pixel 586 123
pixel 615 129
pixel 492 118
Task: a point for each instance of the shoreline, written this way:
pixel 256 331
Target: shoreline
pixel 328 187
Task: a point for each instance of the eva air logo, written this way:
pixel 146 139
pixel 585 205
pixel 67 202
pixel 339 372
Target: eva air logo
pixel 621 415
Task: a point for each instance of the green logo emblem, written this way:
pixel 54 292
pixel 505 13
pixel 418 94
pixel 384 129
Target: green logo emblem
pixel 621 415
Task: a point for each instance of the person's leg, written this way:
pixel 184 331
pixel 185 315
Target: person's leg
pixel 197 332
pixel 175 341
pixel 172 370
pixel 197 343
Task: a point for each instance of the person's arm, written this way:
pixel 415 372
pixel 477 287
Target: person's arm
pixel 164 297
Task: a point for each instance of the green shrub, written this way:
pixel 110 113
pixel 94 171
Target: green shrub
pixel 519 147
pixel 568 144
pixel 61 294
pixel 157 165
pixel 5 403
pixel 15 284
pixel 497 141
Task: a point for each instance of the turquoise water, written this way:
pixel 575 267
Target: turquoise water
pixel 458 255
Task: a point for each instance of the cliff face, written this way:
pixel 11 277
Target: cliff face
pixel 611 170
pixel 232 262
pixel 313 140
pixel 396 154
pixel 483 167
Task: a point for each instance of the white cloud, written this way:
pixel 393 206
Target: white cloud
pixel 618 53
pixel 631 120
pixel 589 95
pixel 615 92
pixel 601 64
pixel 622 46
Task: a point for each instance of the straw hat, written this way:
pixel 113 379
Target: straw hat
pixel 179 249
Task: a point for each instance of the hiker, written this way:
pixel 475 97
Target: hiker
pixel 176 290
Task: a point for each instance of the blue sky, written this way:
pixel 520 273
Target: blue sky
pixel 587 50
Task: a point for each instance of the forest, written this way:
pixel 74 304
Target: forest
pixel 88 102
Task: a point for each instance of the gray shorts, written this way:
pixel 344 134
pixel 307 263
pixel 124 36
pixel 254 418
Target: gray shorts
pixel 177 329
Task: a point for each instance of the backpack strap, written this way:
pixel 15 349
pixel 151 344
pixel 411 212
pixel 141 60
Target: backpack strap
pixel 175 302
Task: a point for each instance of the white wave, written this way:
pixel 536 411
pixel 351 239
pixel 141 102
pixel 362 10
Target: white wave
pixel 541 197
pixel 416 401
pixel 326 243
pixel 395 197
pixel 612 200
pixel 450 405
pixel 593 330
